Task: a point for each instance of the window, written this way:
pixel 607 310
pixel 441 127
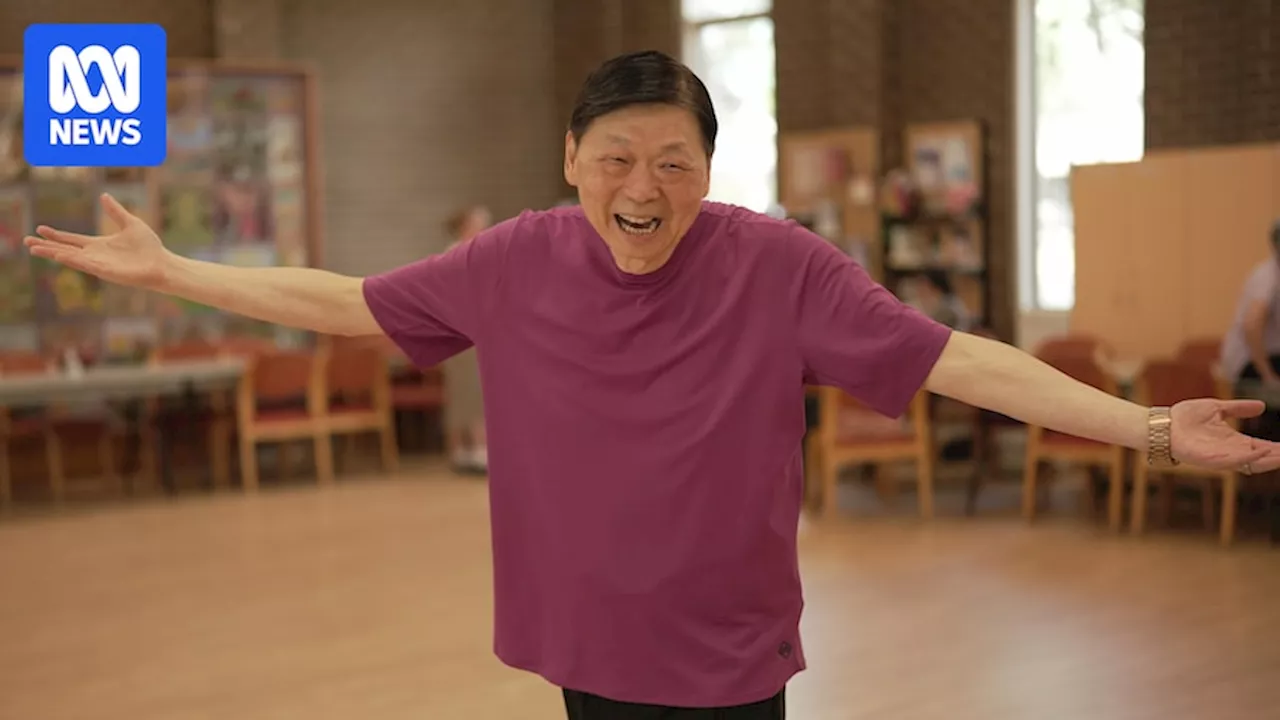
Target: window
pixel 1081 91
pixel 729 44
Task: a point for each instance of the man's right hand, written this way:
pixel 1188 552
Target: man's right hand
pixel 304 298
pixel 132 256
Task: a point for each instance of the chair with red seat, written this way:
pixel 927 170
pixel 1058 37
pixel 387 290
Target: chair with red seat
pixel 1046 445
pixel 283 396
pixel 848 432
pixel 359 387
pixel 1166 383
pixel 53 426
pixel 214 420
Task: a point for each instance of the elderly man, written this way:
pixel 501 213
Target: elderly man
pixel 644 356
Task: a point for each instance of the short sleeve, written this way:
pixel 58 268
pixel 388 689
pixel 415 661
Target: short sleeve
pixel 856 335
pixel 435 308
pixel 1261 285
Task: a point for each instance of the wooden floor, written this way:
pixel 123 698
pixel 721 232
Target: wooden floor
pixel 371 601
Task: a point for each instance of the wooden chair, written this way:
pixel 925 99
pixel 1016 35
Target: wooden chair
pixel 1166 382
pixel 1047 445
pixel 416 394
pixel 216 421
pixel 359 387
pixel 849 432
pixel 36 426
pixel 281 397
pixel 1201 351
pixel 50 424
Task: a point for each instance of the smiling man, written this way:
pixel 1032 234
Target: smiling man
pixel 644 357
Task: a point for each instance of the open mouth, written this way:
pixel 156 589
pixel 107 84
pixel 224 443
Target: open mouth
pixel 637 225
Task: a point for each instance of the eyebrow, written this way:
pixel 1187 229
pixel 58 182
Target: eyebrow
pixel 676 145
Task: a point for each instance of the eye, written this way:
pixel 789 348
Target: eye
pixel 616 160
pixel 673 166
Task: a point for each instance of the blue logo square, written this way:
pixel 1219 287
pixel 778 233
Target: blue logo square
pixel 95 95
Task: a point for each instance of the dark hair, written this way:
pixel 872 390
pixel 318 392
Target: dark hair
pixel 643 78
pixel 1275 234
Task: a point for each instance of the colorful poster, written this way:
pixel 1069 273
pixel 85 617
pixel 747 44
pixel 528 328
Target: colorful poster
pixel 284 96
pixel 15 223
pixel 186 217
pixel 284 151
pixel 13 168
pixel 64 174
pixel 241 215
pixel 61 292
pixel 125 301
pixel 189 94
pixel 17 289
pixel 124 175
pixel 240 148
pixel 66 206
pixel 288 226
pixel 191 148
pixel 239 96
pixel 135 198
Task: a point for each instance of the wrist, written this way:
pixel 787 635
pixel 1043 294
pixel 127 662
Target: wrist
pixel 1159 448
pixel 169 275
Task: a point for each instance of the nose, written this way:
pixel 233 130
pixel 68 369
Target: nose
pixel 641 185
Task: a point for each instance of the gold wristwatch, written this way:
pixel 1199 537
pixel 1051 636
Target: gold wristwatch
pixel 1160 438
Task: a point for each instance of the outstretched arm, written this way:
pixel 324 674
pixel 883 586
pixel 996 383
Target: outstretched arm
pixel 992 375
pixel 305 298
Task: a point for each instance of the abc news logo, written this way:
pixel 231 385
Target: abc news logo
pixel 95 95
pixel 69 91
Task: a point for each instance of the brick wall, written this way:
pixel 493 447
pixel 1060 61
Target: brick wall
pixel 426 107
pixel 1212 72
pixel 188 23
pixel 887 63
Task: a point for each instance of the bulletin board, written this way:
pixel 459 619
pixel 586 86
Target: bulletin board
pixel 827 181
pixel 239 187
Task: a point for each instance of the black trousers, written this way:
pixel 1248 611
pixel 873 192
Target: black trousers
pixel 584 706
pixel 1250 371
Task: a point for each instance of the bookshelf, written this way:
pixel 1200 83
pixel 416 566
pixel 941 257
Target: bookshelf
pixel 934 224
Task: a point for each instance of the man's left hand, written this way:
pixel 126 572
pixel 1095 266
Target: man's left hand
pixel 1203 437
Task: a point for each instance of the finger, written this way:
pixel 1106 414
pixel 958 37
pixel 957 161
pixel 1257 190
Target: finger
pixel 70 257
pixel 1268 461
pixel 116 211
pixel 56 252
pixel 62 236
pixel 1242 408
pixel 35 242
pixel 1251 455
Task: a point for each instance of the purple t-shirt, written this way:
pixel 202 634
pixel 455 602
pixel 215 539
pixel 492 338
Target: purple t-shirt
pixel 644 436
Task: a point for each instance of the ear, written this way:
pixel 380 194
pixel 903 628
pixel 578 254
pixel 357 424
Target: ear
pixel 570 159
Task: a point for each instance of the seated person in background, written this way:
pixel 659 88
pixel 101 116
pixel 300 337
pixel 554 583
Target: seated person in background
pixel 1251 348
pixel 464 403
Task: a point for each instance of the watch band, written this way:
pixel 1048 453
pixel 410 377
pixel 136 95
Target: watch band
pixel 1160 438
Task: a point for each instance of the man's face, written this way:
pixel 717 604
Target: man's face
pixel 641 174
